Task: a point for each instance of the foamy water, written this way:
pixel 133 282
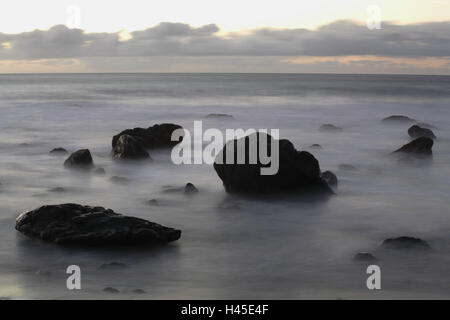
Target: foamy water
pixel 231 247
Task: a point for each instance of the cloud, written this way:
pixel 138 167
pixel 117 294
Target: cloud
pixel 342 46
pixel 342 38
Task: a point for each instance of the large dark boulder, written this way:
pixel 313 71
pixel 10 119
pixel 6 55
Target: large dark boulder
pixel 158 136
pixel 417 146
pixel 76 224
pixel 80 159
pixel 417 132
pixel 298 171
pixel 398 119
pixel 129 148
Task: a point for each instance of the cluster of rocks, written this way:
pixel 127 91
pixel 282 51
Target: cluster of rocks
pixel 298 172
pixel 78 224
pixel 420 132
pixel 132 144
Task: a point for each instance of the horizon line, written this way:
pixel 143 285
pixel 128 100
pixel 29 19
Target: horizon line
pixel 228 73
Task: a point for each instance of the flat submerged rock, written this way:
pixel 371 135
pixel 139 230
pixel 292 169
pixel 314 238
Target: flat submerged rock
pixel 76 224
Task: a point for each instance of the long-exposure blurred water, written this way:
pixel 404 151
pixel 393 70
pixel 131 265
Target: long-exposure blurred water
pixel 231 247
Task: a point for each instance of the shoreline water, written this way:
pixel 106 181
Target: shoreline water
pixel 231 247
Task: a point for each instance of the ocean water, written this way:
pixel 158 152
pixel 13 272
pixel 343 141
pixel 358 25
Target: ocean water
pixel 231 247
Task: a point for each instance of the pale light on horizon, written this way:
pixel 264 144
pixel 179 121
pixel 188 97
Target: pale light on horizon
pixel 106 16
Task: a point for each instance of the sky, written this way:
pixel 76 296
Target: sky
pixel 346 36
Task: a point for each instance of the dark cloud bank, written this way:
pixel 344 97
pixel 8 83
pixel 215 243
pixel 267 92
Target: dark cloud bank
pixel 176 39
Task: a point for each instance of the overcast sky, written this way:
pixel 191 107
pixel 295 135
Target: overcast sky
pixel 347 36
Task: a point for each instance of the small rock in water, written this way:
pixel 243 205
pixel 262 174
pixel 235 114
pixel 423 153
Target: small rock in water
pixel 405 243
pixel 330 178
pixel 398 119
pixel 100 171
pixel 57 189
pixel 190 189
pixel 418 146
pixel 110 290
pixel 120 180
pixel 315 146
pixel 139 291
pixel 153 202
pixel 58 151
pixel 220 116
pixel 84 225
pixel 112 266
pixel 417 132
pixel 80 159
pixel 330 127
pixel 364 256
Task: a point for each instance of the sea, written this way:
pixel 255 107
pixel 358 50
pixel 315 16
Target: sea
pixel 231 247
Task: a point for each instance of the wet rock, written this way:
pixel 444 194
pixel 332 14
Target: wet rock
pixel 398 119
pixel 119 180
pixel 139 291
pixel 405 243
pixel 298 171
pixel 158 136
pixel 417 146
pixel 80 159
pixel 58 152
pixel 364 257
pixel 417 132
pixel 129 148
pixel 330 127
pixel 100 171
pixel 76 224
pixel 315 146
pixel 330 178
pixel 190 189
pixel 110 290
pixel 219 116
pixel 153 202
pixel 112 266
pixel 57 190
